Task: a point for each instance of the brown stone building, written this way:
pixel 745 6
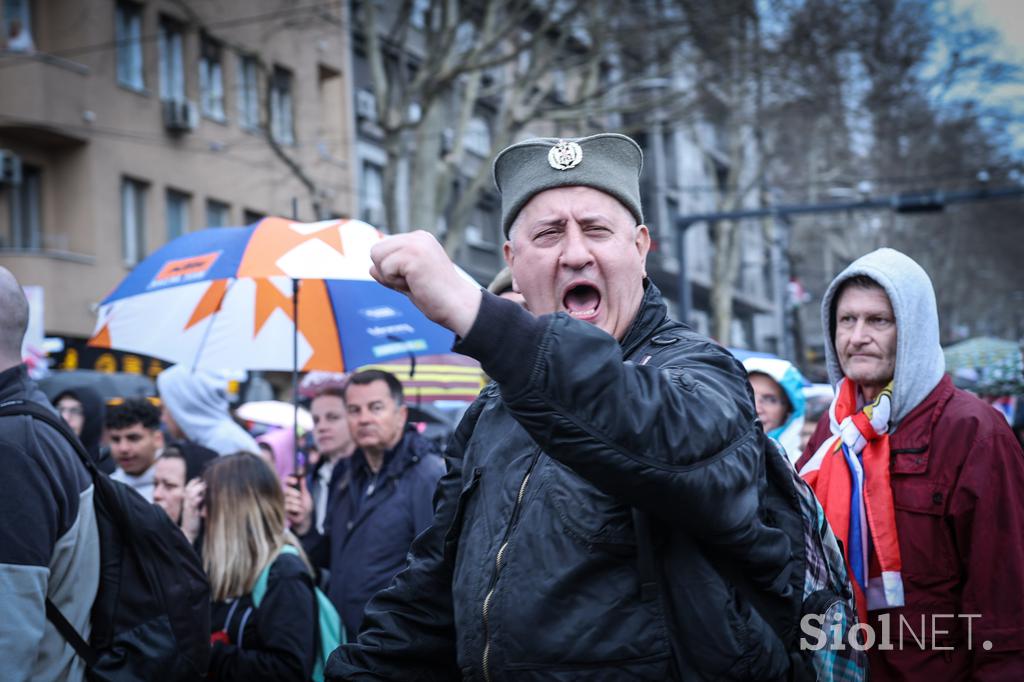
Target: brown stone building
pixel 124 124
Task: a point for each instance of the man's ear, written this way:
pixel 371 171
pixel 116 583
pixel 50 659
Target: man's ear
pixel 510 258
pixel 159 439
pixel 643 244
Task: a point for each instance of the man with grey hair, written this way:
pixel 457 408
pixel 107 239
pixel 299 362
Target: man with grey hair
pixel 922 482
pixel 606 419
pixel 49 545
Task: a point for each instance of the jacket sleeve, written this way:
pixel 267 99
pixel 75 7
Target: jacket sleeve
pixel 286 622
pixel 987 508
pixel 30 528
pixel 678 440
pixel 318 547
pixel 408 628
pixel 421 501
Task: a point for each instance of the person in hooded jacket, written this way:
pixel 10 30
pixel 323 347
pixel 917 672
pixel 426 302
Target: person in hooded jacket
pixel 196 408
pixel 84 411
pixel 779 399
pixel 934 535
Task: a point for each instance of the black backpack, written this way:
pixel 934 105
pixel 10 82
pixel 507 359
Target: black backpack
pixel 151 617
pixel 818 587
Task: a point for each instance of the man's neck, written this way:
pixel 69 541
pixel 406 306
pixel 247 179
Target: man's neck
pixel 374 459
pixel 375 456
pixel 869 392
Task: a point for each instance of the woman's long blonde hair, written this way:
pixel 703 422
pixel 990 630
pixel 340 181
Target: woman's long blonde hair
pixel 245 523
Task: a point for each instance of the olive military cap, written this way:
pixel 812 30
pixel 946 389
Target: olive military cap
pixel 608 162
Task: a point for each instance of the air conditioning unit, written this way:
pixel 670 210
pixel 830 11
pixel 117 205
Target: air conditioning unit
pixel 366 105
pixel 10 168
pixel 180 115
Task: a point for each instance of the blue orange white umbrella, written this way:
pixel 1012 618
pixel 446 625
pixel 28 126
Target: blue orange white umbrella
pixel 222 298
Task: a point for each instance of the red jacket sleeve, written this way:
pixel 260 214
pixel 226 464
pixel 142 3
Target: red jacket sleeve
pixel 987 510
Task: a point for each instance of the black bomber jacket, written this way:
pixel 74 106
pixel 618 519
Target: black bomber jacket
pixel 530 569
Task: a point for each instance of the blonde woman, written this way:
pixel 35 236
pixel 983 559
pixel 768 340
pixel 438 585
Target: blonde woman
pixel 245 532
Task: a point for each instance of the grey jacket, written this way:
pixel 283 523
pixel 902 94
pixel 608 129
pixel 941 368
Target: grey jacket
pixel 49 546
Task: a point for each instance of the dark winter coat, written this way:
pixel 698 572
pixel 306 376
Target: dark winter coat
pixel 277 641
pixel 958 488
pixel 530 570
pixel 367 534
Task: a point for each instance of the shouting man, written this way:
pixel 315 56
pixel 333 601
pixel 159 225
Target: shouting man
pixel 603 412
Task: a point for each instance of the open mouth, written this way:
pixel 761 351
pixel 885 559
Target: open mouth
pixel 582 301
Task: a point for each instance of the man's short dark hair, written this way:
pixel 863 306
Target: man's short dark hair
pixel 368 376
pixel 857 282
pixel 133 411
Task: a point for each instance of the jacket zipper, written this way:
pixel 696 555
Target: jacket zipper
pixel 497 570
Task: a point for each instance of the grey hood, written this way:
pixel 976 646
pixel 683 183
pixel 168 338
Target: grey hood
pixel 919 360
pixel 198 401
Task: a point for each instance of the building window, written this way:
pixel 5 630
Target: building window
pixel 177 214
pixel 172 61
pixel 211 79
pixel 281 120
pixel 478 137
pixel 128 34
pixel 248 93
pixel 26 206
pixel 371 194
pixel 133 220
pixel 18 34
pixel 250 217
pixel 218 214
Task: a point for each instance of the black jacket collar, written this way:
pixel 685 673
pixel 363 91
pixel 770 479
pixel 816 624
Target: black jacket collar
pixel 650 316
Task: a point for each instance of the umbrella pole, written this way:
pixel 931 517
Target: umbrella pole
pixel 296 463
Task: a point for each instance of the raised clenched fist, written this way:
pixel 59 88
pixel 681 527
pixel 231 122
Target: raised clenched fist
pixel 417 265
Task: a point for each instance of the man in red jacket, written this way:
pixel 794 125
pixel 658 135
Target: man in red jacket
pixel 922 482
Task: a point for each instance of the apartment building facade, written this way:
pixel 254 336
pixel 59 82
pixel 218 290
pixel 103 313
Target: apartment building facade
pixel 124 124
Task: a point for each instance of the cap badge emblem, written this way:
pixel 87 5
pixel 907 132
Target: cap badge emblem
pixel 565 155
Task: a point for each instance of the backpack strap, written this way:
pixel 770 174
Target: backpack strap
pixel 65 628
pixel 12 408
pixel 260 588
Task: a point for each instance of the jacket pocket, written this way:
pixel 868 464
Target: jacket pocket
pixel 926 540
pixel 589 516
pixel 451 536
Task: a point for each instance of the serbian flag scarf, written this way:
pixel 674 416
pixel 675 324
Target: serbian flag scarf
pixel 850 475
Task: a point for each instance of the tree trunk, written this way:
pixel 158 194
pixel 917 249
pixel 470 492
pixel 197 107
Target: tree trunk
pixel 426 154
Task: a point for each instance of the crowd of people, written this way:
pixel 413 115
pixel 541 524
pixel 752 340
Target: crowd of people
pixel 625 500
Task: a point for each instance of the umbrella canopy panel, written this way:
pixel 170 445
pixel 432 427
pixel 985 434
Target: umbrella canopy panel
pixel 437 378
pixel 986 365
pixel 224 298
